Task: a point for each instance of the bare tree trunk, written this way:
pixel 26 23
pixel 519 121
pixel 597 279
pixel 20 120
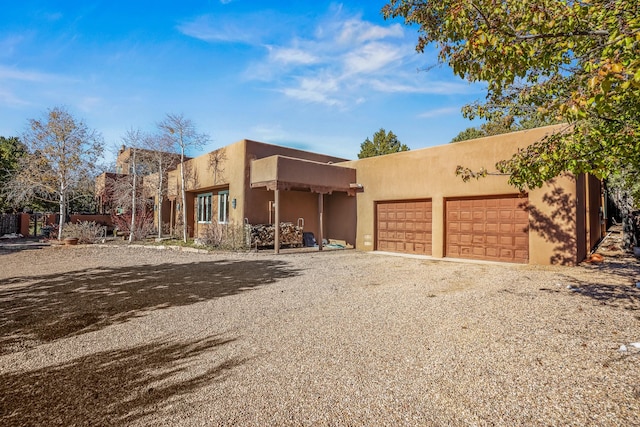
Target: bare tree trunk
pixel 159 208
pixel 62 210
pixel 133 196
pixel 184 197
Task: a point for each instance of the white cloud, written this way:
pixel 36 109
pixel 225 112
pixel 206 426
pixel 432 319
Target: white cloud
pixel 319 90
pixel 337 62
pixel 433 87
pixel 345 61
pixel 10 100
pixel 357 31
pixel 292 56
pixel 371 57
pixel 7 73
pixel 206 28
pixel 438 112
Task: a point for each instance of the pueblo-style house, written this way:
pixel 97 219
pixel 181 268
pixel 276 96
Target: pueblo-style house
pixel 409 202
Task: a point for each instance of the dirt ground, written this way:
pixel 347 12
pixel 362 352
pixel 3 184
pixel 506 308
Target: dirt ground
pixel 142 336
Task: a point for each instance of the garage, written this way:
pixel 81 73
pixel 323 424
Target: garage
pixel 404 226
pixel 488 228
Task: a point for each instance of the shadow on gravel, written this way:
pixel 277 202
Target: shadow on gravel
pixel 112 388
pixel 7 247
pixel 48 307
pixel 626 295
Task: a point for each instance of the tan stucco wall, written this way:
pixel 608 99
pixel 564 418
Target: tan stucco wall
pixel 218 170
pixel 300 174
pixel 430 174
pixel 340 217
pixel 294 204
pixel 561 212
pixel 233 172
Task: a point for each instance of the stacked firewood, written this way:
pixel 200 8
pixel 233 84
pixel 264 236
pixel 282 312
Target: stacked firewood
pixel 263 235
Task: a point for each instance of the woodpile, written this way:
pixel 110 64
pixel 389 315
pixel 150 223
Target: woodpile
pixel 264 235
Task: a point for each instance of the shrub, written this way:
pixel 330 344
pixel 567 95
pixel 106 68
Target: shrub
pixel 143 226
pixel 85 231
pixel 224 236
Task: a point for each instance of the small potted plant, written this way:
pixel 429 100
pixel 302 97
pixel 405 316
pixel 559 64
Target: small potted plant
pixel 71 240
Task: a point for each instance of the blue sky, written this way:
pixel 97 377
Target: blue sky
pixel 317 75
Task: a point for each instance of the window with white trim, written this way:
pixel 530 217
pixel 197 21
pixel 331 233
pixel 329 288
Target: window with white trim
pixel 223 207
pixel 204 208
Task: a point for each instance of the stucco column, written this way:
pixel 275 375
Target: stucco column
pixel 320 221
pixel 437 226
pixel 276 244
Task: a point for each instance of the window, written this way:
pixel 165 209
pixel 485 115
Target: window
pixel 223 207
pixel 204 207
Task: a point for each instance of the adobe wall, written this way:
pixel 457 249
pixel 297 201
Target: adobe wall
pixel 430 173
pixel 293 204
pixel 218 170
pixel 229 168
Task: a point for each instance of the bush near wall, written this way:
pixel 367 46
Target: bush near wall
pixel 224 236
pixel 84 231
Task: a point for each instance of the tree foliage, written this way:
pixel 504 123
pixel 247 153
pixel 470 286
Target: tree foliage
pixel 572 61
pixel 383 143
pixel 62 153
pixel 498 126
pixel 11 150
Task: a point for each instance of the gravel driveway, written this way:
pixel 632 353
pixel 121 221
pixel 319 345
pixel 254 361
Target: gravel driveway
pixel 139 336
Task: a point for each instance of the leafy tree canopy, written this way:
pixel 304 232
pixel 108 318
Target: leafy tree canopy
pixel 383 143
pixel 498 126
pixel 573 61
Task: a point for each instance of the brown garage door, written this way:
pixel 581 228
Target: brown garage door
pixel 490 228
pixel 404 226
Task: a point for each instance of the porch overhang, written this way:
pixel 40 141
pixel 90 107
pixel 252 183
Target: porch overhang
pixel 291 174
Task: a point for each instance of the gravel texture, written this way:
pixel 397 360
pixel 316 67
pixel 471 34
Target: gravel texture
pixel 140 336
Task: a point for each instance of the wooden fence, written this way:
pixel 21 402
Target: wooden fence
pixel 9 223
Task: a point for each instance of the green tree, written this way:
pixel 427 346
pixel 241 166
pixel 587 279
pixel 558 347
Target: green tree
pixel 62 156
pixel 11 150
pixel 383 143
pixel 490 128
pixel 573 61
pixel 499 126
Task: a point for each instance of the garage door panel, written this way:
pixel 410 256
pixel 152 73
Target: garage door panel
pixel 409 231
pixel 521 242
pixel 466 227
pixel 478 239
pixel 478 227
pixel 480 252
pixel 491 215
pixel 506 253
pixel 506 228
pixel 521 215
pixel 506 240
pixel 492 252
pixel 490 228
